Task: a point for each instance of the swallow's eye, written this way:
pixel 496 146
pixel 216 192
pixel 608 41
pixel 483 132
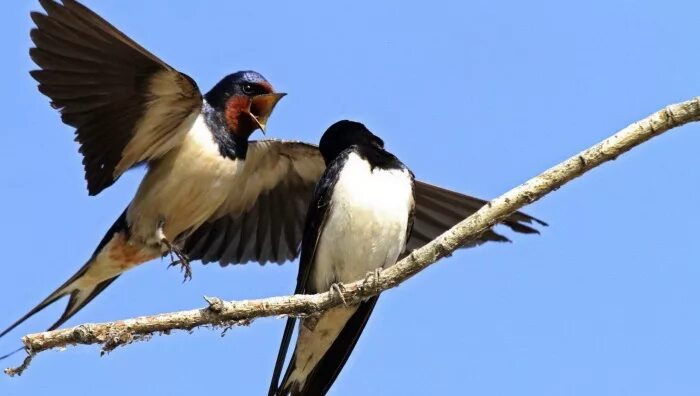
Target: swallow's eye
pixel 248 89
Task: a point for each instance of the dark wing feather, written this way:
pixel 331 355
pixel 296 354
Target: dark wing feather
pixel 438 209
pixel 319 207
pixel 269 226
pixel 263 220
pixel 127 105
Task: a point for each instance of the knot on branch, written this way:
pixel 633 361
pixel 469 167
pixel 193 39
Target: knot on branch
pixel 216 305
pixel 82 334
pixel 116 340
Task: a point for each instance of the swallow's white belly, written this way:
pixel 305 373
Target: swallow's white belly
pixel 365 230
pixel 366 226
pixel 184 188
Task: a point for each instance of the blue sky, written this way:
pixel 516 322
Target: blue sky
pixel 476 96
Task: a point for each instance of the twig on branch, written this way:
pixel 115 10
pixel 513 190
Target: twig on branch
pixel 226 314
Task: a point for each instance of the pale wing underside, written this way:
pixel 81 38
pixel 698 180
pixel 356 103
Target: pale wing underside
pixel 128 106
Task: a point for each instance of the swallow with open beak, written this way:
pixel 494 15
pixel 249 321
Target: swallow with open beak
pixel 131 108
pixel 210 193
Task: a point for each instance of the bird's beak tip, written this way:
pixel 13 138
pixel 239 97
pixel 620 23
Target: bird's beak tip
pixel 262 106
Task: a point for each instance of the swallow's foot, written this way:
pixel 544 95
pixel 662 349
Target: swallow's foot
pixel 182 259
pixel 339 288
pixel 372 279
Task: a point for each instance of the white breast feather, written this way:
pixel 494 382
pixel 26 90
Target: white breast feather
pixel 186 187
pixel 366 228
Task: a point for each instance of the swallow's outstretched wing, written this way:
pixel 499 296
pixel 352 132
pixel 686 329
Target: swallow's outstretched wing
pixel 267 224
pixel 128 106
pixel 438 209
pixel 263 219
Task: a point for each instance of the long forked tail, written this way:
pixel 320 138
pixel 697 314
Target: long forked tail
pixel 80 295
pixel 314 374
pixel 84 285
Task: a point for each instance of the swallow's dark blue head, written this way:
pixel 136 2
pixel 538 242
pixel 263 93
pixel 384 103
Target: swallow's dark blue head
pixel 344 134
pixel 246 100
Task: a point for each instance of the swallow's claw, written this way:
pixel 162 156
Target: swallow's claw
pixel 182 260
pixel 372 279
pixel 339 288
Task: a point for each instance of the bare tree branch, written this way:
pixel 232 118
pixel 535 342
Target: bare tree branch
pixel 226 314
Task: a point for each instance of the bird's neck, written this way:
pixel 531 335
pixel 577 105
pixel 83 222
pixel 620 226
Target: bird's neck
pixel 377 157
pixel 231 145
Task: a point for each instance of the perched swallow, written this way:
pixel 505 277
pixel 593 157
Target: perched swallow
pixel 209 193
pixel 359 220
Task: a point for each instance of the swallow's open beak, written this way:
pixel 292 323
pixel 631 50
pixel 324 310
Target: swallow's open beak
pixel 261 107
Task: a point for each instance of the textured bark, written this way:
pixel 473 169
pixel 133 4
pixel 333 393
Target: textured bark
pixel 225 314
